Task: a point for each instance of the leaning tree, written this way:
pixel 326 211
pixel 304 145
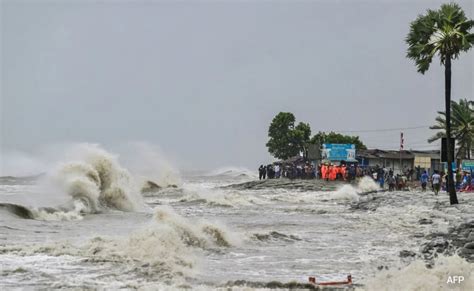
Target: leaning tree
pixel 446 33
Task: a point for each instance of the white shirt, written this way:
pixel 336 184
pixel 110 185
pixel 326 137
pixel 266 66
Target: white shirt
pixel 436 178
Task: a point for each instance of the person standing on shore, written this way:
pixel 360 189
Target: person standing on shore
pixel 381 177
pixel 424 180
pixel 436 182
pixel 261 170
pixel 391 182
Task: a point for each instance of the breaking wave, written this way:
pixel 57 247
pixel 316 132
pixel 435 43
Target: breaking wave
pixel 217 199
pixel 90 181
pixel 349 192
pixel 275 236
pixel 233 172
pixel 168 247
pixel 199 234
pixel 45 213
pixel 98 180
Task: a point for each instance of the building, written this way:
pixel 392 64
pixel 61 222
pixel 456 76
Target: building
pixel 400 160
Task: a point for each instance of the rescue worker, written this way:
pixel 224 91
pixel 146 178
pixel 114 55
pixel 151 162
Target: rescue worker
pixel 326 172
pixel 332 172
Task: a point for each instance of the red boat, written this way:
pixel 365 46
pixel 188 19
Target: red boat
pixel 312 280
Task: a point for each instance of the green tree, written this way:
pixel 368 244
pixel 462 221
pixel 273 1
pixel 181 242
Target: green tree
pixel 332 137
pixel 462 126
pixel 286 139
pixel 302 135
pixel 445 32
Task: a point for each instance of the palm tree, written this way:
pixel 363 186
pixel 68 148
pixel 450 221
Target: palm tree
pixel 462 126
pixel 445 32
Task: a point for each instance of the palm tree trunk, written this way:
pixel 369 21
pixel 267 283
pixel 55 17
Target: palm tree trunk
pixel 453 199
pixel 468 150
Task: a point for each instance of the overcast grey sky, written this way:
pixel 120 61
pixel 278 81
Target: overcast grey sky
pixel 204 79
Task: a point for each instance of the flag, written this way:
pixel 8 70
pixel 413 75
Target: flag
pixel 401 140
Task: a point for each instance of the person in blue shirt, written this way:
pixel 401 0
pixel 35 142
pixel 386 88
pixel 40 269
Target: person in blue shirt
pixel 424 180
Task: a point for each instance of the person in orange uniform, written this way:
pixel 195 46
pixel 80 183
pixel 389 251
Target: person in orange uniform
pixel 324 171
pixel 332 172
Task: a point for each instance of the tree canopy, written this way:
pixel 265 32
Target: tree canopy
pixel 333 137
pixel 445 32
pixel 286 139
pixel 462 125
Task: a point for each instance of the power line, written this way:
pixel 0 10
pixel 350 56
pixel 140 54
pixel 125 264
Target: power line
pixel 382 129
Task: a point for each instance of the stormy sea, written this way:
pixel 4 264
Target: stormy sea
pixel 90 222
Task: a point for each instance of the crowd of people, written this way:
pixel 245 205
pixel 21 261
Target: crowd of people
pixel 462 181
pixel 383 176
pixel 291 171
pixel 306 170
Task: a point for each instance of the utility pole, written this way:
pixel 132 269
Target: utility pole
pixel 401 148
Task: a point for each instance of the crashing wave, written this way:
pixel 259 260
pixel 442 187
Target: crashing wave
pixel 90 182
pixel 153 187
pixel 96 179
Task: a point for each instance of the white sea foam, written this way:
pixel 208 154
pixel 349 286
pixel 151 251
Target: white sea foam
pixel 417 276
pixel 147 162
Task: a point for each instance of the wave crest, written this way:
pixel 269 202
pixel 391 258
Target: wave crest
pixel 97 179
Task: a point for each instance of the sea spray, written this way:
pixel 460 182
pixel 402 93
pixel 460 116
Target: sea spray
pixel 346 192
pixel 367 184
pixel 148 163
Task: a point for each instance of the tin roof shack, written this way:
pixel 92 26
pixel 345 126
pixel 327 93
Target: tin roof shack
pixel 389 159
pixel 429 160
